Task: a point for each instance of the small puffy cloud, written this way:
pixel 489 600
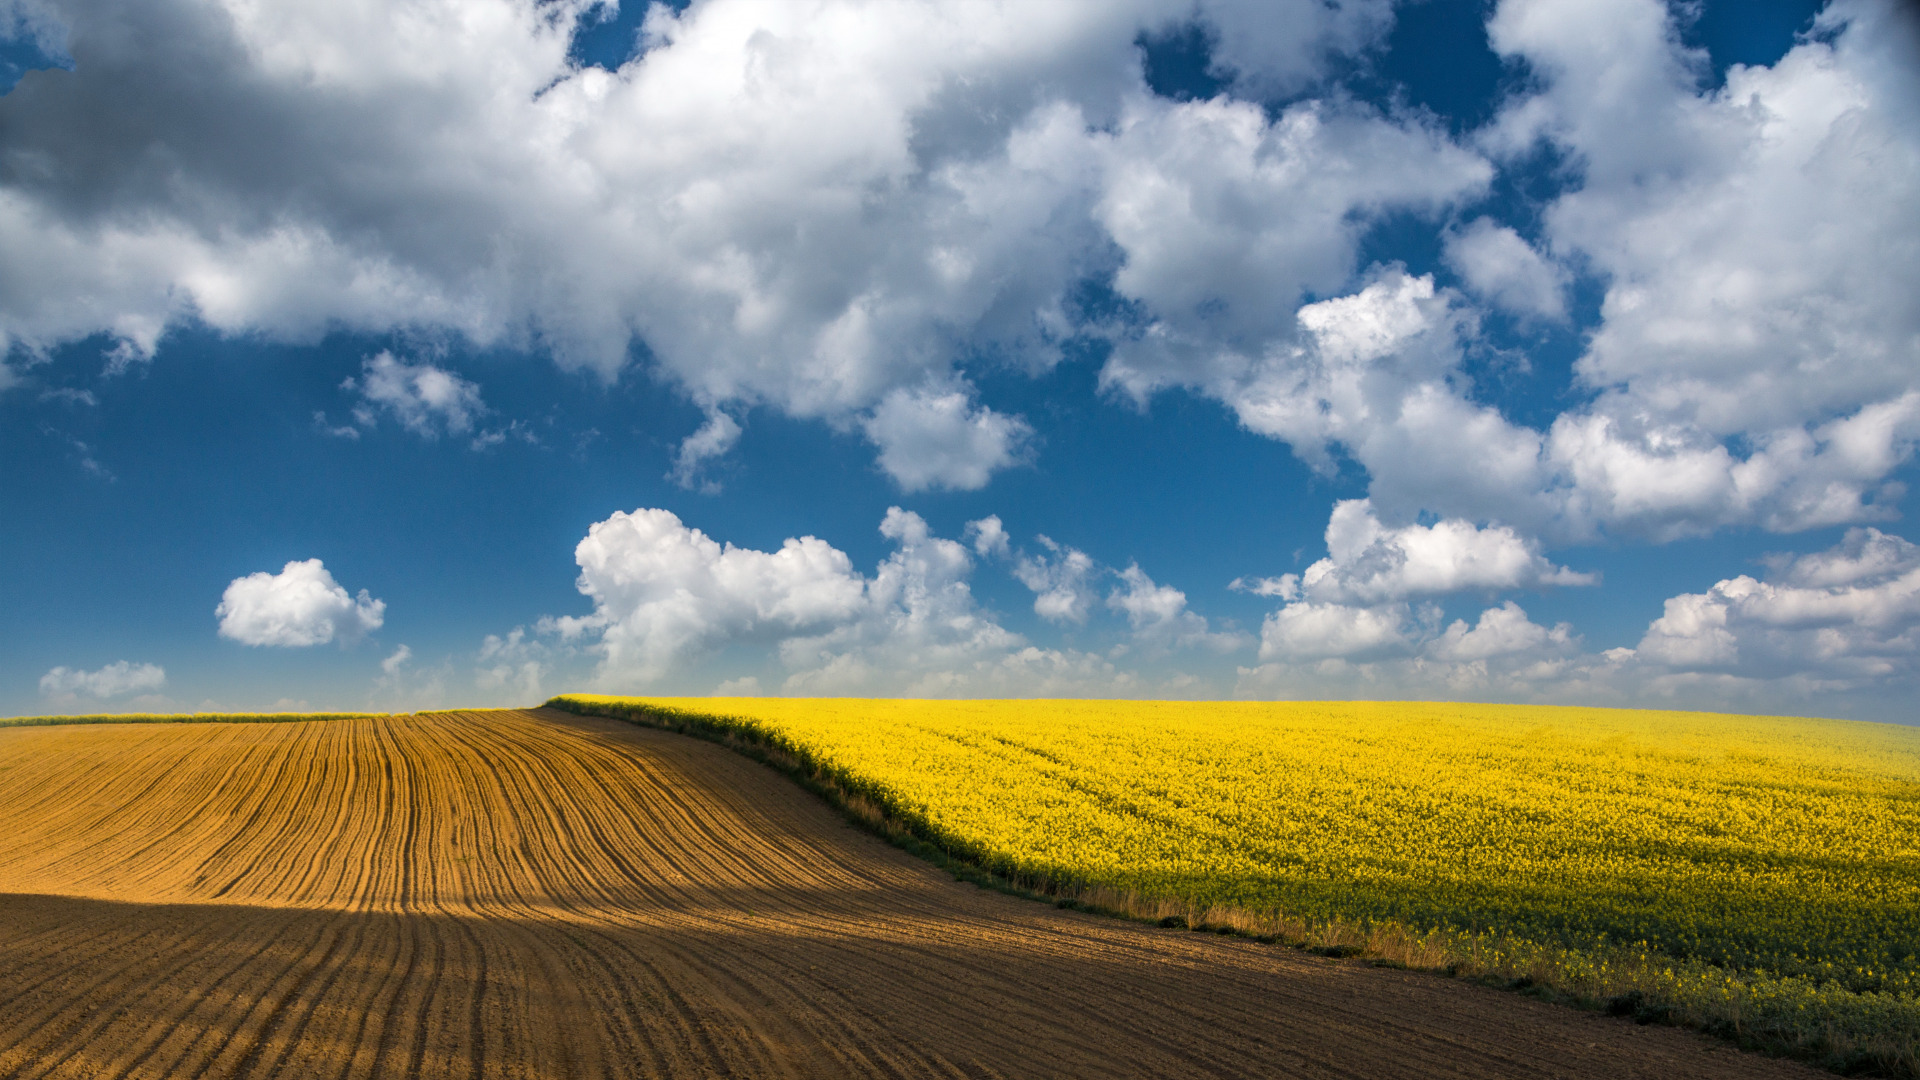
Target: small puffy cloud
pixel 1144 602
pixel 427 400
pixel 301 605
pixel 1065 583
pixel 711 440
pixel 1501 631
pixel 392 664
pixel 1497 264
pixel 1368 562
pixel 1285 586
pixel 114 680
pixel 514 663
pixel 1061 580
pixel 1159 617
pixel 1306 630
pixel 338 431
pixel 988 537
pixel 940 439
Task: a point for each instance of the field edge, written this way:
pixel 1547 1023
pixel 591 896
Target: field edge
pixel 181 718
pixel 1843 1031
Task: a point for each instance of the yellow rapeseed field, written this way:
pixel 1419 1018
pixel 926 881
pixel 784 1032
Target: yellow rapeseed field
pixel 1768 859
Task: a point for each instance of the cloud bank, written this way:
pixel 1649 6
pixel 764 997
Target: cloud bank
pixel 836 212
pixel 668 598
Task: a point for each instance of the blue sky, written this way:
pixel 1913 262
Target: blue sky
pixel 447 353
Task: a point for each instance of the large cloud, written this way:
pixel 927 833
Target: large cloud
pixel 1226 221
pixel 822 207
pixel 664 593
pixel 1378 376
pixel 299 606
pixel 1756 239
pixel 1368 562
pixel 1757 242
pixel 1848 614
pixel 1758 356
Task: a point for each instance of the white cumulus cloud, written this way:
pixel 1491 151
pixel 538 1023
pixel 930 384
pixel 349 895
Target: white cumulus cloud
pixel 1061 579
pixel 988 536
pixel 821 207
pixel 515 662
pixel 301 605
pixel 1849 614
pixel 711 440
pixel 668 598
pixel 665 594
pixel 1496 263
pixel 427 400
pixel 1397 650
pixel 1500 631
pixel 1159 617
pixel 1756 241
pixel 1833 630
pixel 940 439
pixel 1369 562
pixel 113 680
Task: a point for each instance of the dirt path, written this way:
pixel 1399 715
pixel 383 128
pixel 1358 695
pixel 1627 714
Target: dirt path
pixel 540 895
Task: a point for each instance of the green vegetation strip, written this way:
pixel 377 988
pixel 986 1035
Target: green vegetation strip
pixel 1752 877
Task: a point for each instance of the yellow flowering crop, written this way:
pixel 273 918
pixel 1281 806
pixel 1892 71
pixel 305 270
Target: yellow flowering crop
pixel 1782 845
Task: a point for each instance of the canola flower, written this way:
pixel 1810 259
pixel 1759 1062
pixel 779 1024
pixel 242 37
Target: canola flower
pixel 1756 867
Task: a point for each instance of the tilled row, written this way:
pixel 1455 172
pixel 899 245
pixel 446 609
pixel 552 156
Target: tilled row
pixel 531 894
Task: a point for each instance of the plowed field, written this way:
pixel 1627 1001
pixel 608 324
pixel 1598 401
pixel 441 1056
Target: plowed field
pixel 535 894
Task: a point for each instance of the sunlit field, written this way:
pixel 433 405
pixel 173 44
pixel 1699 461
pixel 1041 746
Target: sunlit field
pixel 1758 875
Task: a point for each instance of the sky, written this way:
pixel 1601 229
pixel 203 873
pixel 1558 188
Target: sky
pixel 464 352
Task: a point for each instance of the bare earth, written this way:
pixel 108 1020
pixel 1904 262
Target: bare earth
pixel 537 895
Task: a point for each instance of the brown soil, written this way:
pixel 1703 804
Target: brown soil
pixel 541 895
